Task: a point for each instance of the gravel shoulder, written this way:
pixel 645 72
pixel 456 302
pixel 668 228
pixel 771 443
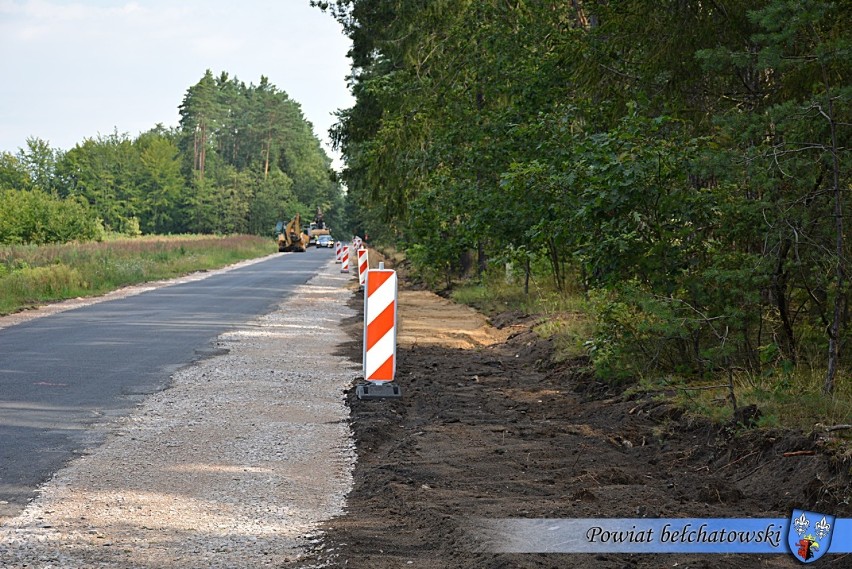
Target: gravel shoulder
pixel 234 465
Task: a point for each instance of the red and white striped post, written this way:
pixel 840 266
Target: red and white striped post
pixel 338 252
pixel 363 266
pixel 380 303
pixel 344 258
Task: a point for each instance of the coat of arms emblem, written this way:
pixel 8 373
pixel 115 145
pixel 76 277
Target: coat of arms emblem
pixel 809 536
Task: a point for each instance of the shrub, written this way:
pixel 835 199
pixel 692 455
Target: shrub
pixel 36 217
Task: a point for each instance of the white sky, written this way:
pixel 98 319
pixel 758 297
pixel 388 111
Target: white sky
pixel 71 70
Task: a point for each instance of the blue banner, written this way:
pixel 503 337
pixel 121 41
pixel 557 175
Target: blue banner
pixel 644 535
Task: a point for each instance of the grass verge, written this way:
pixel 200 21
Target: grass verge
pixel 790 400
pixel 31 275
pixel 793 400
pixel 562 317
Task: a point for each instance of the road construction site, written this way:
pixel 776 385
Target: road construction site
pixel 262 454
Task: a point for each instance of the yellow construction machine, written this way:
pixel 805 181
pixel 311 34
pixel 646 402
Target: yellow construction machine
pixel 317 227
pixel 290 237
pixel 314 233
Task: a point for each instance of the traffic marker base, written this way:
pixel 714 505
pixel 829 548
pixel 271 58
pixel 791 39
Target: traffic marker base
pixel 383 390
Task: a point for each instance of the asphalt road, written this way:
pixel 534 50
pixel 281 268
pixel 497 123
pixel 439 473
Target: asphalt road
pixel 62 374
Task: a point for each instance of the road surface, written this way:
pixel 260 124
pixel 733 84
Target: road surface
pixel 62 374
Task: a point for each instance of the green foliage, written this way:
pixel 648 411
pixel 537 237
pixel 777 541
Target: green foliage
pixel 243 158
pixel 36 217
pixel 39 161
pixel 251 159
pixel 13 175
pixel 793 399
pixel 685 164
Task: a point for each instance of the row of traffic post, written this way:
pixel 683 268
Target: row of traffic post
pixel 379 287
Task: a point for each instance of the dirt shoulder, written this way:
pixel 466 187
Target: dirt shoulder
pixel 487 428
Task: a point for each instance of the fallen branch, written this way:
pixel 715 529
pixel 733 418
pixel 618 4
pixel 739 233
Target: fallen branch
pixel 838 428
pixel 750 472
pixel 799 453
pixel 739 459
pixel 681 387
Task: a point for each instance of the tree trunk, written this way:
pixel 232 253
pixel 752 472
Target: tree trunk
pixel 481 259
pixel 582 16
pixel 266 164
pixel 834 331
pixel 779 284
pixel 195 150
pixel 202 153
pixel 555 264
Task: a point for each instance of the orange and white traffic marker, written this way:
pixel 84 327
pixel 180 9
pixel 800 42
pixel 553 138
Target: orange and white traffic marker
pixel 344 258
pixel 380 303
pixel 363 266
pixel 338 252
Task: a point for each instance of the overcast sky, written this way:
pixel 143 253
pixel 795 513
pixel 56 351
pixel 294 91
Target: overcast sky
pixel 71 70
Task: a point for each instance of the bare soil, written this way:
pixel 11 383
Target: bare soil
pixel 488 428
